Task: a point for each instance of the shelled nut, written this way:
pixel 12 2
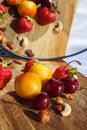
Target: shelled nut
pixel 58 27
pixel 59 100
pixel 67 110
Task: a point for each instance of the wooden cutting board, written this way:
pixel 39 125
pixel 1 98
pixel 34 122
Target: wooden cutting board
pixel 15 113
pixel 42 39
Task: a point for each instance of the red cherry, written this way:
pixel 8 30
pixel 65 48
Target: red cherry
pixel 71 85
pixel 42 101
pixel 47 3
pixel 54 88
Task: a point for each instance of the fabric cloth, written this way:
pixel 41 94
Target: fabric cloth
pixel 78 38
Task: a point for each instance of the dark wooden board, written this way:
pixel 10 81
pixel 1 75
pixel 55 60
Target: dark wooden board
pixel 17 114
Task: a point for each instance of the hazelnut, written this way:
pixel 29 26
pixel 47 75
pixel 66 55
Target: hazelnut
pixel 59 107
pixel 3 40
pixel 44 116
pixel 69 96
pixel 59 100
pixel 1 37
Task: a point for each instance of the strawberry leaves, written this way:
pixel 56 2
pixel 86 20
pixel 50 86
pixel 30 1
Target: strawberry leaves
pixel 73 72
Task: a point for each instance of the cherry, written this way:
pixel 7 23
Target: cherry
pixel 54 87
pixel 37 1
pixel 71 85
pixel 47 3
pixel 50 4
pixel 42 101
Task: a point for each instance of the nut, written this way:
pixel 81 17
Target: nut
pixel 18 61
pixel 59 107
pixel 10 45
pixel 59 100
pixel 1 32
pixel 19 51
pixel 67 110
pixel 69 96
pixel 29 53
pixel 3 41
pixel 23 40
pixel 58 27
pixel 1 37
pixel 43 116
pixel 2 29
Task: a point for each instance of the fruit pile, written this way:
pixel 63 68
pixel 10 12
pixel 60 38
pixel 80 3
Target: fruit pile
pixel 37 82
pixel 44 88
pixel 43 12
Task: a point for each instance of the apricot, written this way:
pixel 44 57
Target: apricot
pixel 27 8
pixel 27 85
pixel 43 71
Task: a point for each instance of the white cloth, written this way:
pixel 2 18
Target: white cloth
pixel 78 38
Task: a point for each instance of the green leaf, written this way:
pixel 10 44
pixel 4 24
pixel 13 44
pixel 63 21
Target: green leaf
pixel 72 72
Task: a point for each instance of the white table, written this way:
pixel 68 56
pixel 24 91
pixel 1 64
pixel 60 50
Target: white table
pixel 78 38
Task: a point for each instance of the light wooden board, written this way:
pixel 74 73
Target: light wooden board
pixel 42 40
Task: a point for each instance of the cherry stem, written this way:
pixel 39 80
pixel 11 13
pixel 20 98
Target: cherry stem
pixel 73 61
pixel 67 65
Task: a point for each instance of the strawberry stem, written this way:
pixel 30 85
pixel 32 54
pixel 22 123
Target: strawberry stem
pixel 29 18
pixel 54 8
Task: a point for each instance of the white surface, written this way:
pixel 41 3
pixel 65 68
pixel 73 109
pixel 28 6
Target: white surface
pixel 78 38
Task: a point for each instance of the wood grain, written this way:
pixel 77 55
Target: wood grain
pixel 16 113
pixel 42 40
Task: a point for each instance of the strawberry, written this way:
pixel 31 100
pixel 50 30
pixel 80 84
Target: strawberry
pixel 5 76
pixel 46 16
pixel 3 10
pixel 24 24
pixel 28 64
pixel 64 72
pixel 61 72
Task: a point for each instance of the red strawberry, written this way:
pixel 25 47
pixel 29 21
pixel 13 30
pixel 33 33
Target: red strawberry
pixel 46 16
pixel 28 65
pixel 5 76
pixel 3 10
pixel 24 25
pixel 61 72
